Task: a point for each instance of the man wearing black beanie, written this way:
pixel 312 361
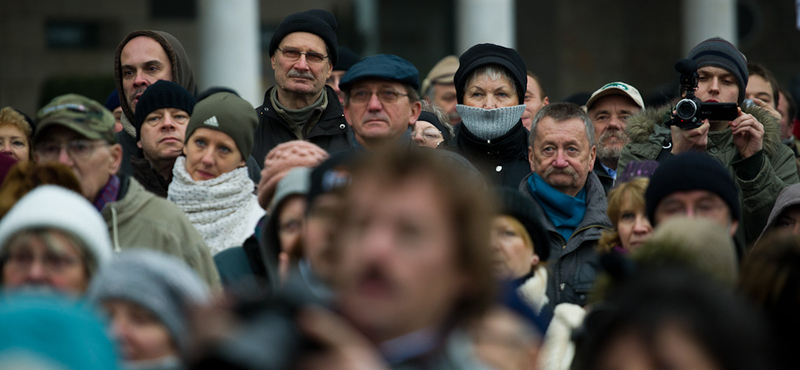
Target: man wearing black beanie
pixel 161 117
pixel 749 147
pixel 303 51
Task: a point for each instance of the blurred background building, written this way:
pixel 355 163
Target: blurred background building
pixel 50 47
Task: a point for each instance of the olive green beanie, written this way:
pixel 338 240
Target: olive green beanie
pixel 228 113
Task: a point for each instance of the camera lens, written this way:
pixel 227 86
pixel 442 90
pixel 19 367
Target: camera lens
pixel 686 109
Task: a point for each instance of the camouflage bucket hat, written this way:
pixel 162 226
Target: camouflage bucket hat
pixel 79 113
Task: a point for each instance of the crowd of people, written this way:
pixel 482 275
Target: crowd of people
pixel 362 218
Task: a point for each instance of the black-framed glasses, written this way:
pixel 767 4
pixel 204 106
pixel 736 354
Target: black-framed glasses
pixel 76 149
pixel 385 96
pixel 311 57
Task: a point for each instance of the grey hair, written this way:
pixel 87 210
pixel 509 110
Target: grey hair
pixel 440 115
pixel 494 73
pixel 561 112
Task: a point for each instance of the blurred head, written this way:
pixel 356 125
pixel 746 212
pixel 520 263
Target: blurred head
pixel 24 177
pixel 693 185
pixel 53 239
pixel 535 99
pixel 505 340
pixel 432 127
pixel 670 317
pixel 347 58
pixel 420 260
pixel 15 135
pixel 788 110
pixel 514 252
pixel 439 88
pixel 147 296
pixel 627 212
pixel 762 85
pixel 79 132
pixel 562 150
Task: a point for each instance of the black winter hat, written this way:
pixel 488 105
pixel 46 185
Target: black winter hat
pixel 332 175
pixel 162 94
pixel 316 21
pixel 691 171
pixel 485 54
pixel 513 203
pixel 347 58
pixel 718 52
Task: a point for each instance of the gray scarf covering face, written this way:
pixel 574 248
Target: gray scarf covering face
pixel 488 124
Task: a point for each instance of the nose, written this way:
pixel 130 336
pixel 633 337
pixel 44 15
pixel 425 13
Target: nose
pixel 36 273
pixel 119 327
pixel 490 102
pixel 141 79
pixel 63 156
pixel 374 103
pixel 796 229
pixel 301 63
pixel 560 160
pixel 418 137
pixel 5 148
pixel 208 157
pixel 714 85
pixel 642 225
pixel 169 123
pixel 616 123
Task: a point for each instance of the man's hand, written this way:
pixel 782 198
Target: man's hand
pixel 686 140
pixel 767 107
pixel 748 134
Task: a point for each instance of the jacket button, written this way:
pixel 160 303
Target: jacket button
pixel 342 126
pixel 498 168
pixel 561 287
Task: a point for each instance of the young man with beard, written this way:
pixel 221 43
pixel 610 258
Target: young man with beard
pixel 609 107
pixel 748 146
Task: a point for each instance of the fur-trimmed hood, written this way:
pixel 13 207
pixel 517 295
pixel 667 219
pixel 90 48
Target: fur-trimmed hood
pixel 642 126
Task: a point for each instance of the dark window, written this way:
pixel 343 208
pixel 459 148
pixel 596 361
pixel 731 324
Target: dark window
pixel 73 34
pixel 173 9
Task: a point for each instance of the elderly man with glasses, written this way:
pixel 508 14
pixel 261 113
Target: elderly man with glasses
pixel 79 133
pixel 302 53
pixel 381 100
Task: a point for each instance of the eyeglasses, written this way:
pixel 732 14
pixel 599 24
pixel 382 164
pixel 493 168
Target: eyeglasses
pixel 77 149
pixel 428 134
pixel 311 57
pixel 386 96
pixel 52 262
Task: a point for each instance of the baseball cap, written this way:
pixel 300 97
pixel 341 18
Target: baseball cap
pixel 79 113
pixel 616 88
pixel 442 72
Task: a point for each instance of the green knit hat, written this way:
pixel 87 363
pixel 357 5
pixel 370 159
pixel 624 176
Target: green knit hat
pixel 229 114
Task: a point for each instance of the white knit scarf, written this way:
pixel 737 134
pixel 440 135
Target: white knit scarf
pixel 218 208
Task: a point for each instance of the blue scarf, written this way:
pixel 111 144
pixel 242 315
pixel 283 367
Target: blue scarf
pixel 564 211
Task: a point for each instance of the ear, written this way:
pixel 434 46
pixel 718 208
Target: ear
pixel 330 70
pixel 272 61
pixel 592 157
pixel 184 149
pixel 546 101
pixel 534 260
pixel 416 109
pixel 139 144
pixel 116 158
pixel 734 226
pixel 530 158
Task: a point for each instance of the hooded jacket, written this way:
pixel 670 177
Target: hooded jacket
pixel 182 74
pixel 329 133
pixel 502 161
pixel 651 139
pixel 789 197
pixel 139 219
pixel 575 263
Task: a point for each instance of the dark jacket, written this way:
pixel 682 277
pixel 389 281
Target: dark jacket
pixel 152 181
pixel 182 74
pixel 502 161
pixel 575 262
pixel 603 175
pixel 774 170
pixel 330 132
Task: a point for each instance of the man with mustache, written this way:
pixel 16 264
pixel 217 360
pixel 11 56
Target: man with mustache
pixel 142 58
pixel 609 107
pixel 381 100
pixel 569 197
pixel 162 115
pixel 300 106
pixel 748 146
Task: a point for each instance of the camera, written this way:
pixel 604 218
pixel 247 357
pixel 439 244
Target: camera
pixel 690 111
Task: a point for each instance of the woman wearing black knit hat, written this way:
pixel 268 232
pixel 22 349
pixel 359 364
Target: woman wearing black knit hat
pixel 490 89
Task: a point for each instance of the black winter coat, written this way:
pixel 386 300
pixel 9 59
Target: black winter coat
pixel 502 161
